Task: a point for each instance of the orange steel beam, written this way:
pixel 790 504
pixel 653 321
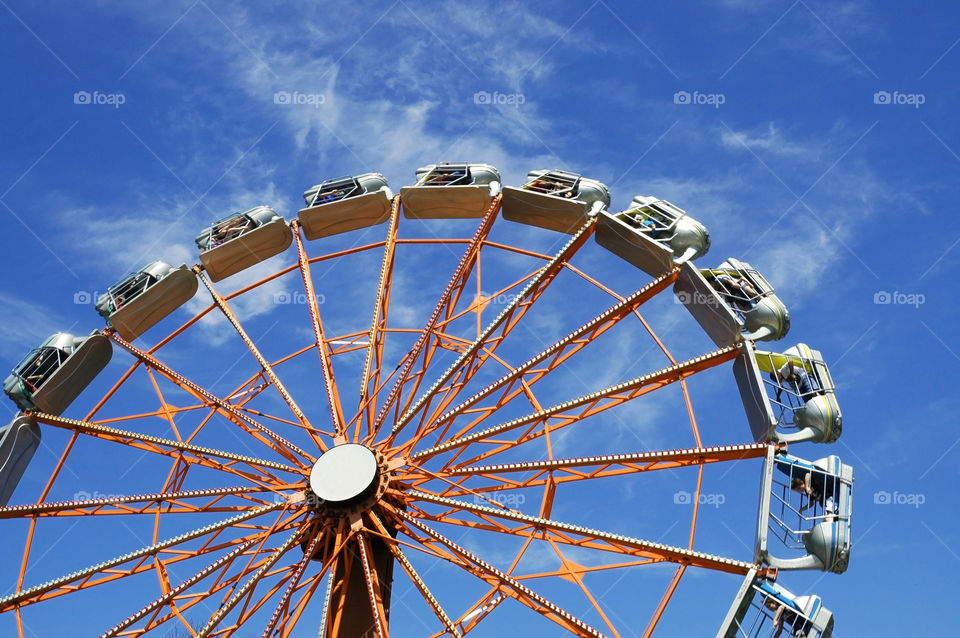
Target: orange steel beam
pixel 228 606
pixel 697 441
pixel 550 357
pixel 567 534
pixel 662 606
pixel 28 544
pixel 258 431
pixel 289 622
pixel 122 504
pixel 448 300
pixel 477 304
pixel 490 574
pixel 584 468
pixel 575 410
pixel 469 363
pixel 165 447
pixel 83 579
pixel 415 578
pixel 515 249
pixel 571 571
pixel 284 601
pixel 326 366
pixel 261 547
pixel 374 588
pixel 223 562
pixel 373 361
pixel 267 368
pixel 183 602
pixel 583 569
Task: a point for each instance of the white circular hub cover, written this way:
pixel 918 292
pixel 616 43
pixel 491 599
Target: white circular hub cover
pixel 343 472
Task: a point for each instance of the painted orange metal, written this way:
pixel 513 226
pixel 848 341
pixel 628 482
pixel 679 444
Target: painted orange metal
pixel 352 549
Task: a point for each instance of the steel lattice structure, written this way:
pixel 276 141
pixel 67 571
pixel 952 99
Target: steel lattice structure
pixel 447 440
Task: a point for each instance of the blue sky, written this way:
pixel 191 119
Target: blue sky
pixel 813 139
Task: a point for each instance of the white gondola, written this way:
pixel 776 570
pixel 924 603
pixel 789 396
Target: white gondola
pixel 765 609
pixel 344 204
pixel 138 301
pixel 18 441
pixel 241 240
pixel 451 191
pixel 732 302
pixel 799 408
pixel 805 509
pixel 652 234
pixel 51 376
pixel 555 200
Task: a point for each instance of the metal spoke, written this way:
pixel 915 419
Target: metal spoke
pixel 521 592
pixel 113 504
pixel 49 589
pixel 326 366
pixel 373 361
pixel 444 307
pixel 373 588
pixel 282 446
pixel 486 343
pixel 248 586
pixel 588 467
pixel 225 561
pixel 531 371
pixel 418 581
pixel 166 447
pixel 291 586
pixel 267 368
pixel 574 411
pixel 580 536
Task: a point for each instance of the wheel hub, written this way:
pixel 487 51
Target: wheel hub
pixel 347 479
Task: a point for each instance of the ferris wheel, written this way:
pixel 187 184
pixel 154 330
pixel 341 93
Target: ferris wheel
pixel 432 416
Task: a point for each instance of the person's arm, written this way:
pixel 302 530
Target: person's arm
pixel 790 369
pixel 808 492
pixel 778 622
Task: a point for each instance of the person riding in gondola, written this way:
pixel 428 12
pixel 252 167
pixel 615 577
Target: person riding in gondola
pixel 799 380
